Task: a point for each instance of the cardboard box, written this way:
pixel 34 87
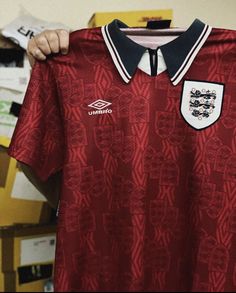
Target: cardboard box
pixel 1 274
pixel 13 208
pixel 1 282
pixel 26 251
pixel 131 18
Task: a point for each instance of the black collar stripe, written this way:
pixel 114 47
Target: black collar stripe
pixel 115 55
pixel 178 54
pixel 191 56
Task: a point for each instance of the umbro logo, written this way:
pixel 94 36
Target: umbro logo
pixel 100 106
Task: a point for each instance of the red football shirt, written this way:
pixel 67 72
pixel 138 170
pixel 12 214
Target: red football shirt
pixel 146 140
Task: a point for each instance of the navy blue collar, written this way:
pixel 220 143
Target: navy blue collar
pixel 178 54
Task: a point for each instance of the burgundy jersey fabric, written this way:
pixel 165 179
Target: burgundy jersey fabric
pixel 148 193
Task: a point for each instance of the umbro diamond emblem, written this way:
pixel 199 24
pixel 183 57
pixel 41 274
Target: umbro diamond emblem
pixel 100 106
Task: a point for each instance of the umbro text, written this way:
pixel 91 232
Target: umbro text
pixel 100 112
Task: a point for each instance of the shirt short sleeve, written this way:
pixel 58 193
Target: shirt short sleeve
pixel 38 136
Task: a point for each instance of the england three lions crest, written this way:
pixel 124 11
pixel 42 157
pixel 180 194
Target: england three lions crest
pixel 201 103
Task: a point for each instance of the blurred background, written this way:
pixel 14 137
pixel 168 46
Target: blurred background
pixel 76 13
pixel 27 223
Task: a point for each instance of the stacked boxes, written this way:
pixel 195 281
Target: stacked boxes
pixel 26 252
pixel 14 207
pixel 1 274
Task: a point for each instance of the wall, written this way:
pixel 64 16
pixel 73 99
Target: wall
pixel 76 13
